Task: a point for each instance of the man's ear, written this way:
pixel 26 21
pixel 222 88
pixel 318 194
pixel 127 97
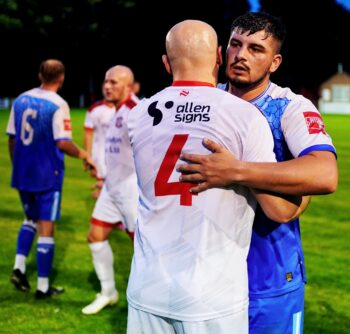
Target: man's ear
pixel 219 56
pixel 166 63
pixel 276 62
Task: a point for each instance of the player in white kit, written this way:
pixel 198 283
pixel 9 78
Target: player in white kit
pixel 114 207
pixel 189 272
pixel 96 124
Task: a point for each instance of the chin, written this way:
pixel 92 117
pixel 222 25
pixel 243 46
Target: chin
pixel 239 83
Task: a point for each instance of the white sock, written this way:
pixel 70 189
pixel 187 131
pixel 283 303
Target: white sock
pixel 43 284
pixel 20 263
pixel 102 258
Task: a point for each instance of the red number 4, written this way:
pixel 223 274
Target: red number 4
pixel 161 186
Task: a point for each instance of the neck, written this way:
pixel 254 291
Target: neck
pixel 210 78
pixel 251 92
pixel 50 87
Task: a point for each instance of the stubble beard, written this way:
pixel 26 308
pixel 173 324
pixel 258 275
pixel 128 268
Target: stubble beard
pixel 246 85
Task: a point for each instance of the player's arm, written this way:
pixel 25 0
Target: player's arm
pixel 71 149
pixel 11 132
pixel 11 145
pixel 281 208
pixel 88 137
pixel 312 174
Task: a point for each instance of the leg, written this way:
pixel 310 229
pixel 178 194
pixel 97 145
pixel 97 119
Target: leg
pixel 102 256
pixel 105 217
pixel 49 210
pixel 103 262
pixel 24 244
pixel 25 239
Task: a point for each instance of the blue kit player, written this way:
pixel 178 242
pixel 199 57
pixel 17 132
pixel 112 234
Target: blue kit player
pixel 39 130
pixel 275 262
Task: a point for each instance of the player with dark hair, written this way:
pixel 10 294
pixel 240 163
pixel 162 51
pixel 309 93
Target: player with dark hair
pixel 307 165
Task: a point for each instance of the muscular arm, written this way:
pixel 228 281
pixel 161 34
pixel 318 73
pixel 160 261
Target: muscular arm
pixel 313 174
pixel 281 208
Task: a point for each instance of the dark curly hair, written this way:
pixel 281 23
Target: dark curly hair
pixel 254 22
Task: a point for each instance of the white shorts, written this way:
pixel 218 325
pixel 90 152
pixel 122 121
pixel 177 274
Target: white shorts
pixel 107 210
pixel 140 322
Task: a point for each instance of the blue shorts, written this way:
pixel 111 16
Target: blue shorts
pixel 41 205
pixel 278 315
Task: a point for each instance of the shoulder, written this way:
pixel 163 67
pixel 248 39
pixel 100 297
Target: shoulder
pixel 96 105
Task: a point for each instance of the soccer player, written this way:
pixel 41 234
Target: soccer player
pixel 96 123
pixel 188 273
pixel 111 210
pixel 40 133
pixel 276 261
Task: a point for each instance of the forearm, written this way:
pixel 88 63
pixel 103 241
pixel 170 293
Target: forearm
pixel 72 150
pixel 307 175
pixel 281 208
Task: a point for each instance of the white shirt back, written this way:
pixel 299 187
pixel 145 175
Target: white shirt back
pixel 190 251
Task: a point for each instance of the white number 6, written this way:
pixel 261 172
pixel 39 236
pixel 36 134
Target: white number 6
pixel 27 132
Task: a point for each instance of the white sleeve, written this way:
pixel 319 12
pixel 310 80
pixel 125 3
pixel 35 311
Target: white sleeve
pixel 11 130
pixel 89 122
pixel 304 129
pixel 62 128
pixel 258 146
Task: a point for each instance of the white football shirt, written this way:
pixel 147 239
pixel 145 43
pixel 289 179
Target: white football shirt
pixel 121 182
pixel 190 251
pixel 97 119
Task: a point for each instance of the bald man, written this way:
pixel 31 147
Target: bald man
pixel 189 272
pixel 111 210
pixel 40 133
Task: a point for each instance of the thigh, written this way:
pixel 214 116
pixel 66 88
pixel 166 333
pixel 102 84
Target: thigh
pixel 44 206
pixel 140 322
pixel 49 205
pixel 276 315
pixel 236 323
pixel 30 205
pixel 106 210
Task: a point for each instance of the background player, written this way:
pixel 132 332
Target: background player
pixel 40 133
pixel 110 209
pixel 276 261
pixel 189 273
pixel 96 123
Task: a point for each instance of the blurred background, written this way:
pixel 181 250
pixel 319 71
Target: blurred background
pixel 89 36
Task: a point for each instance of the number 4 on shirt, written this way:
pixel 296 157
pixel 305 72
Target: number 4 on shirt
pixel 161 186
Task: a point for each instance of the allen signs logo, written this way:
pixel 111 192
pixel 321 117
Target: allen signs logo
pixel 314 122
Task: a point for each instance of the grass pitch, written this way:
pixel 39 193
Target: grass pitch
pixel 325 231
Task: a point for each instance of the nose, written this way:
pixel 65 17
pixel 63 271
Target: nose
pixel 241 53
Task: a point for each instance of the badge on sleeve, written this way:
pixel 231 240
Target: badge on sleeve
pixel 67 125
pixel 314 122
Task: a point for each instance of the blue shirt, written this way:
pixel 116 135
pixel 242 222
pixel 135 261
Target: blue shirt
pixel 38 165
pixel 276 259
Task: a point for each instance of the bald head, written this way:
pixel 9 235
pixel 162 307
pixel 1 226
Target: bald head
pixel 118 84
pixel 123 73
pixel 192 45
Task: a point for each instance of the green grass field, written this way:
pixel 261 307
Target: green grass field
pixel 325 231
